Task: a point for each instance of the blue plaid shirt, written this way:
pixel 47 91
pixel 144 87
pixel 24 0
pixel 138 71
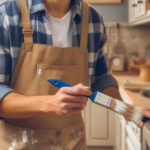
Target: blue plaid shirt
pixel 11 38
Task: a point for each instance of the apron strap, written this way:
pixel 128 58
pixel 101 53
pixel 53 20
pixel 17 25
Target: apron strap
pixel 26 23
pixel 84 26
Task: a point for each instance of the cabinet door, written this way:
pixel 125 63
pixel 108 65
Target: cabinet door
pixel 120 143
pixel 99 123
pixel 146 139
pixel 140 10
pixel 129 145
pixel 117 133
pixel 133 139
pixel 132 132
pixel 132 5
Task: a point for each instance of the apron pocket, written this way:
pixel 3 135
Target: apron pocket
pixel 67 73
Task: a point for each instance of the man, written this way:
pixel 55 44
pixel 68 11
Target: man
pixel 49 39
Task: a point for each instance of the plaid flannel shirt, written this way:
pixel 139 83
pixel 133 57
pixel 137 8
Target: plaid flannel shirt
pixel 11 38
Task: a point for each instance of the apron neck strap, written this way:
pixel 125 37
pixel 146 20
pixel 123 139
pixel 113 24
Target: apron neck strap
pixel 84 26
pixel 28 31
pixel 26 23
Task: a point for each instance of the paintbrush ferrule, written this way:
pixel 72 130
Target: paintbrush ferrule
pixel 103 99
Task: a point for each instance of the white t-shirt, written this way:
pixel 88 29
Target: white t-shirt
pixel 61 29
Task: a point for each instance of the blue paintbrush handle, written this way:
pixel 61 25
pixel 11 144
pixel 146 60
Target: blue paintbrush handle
pixel 60 84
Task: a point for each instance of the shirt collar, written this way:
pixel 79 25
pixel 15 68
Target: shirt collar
pixel 37 5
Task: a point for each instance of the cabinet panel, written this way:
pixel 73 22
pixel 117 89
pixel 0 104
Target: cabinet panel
pixel 136 131
pixel 140 10
pixel 130 134
pixel 99 121
pixel 120 143
pixel 132 10
pixel 117 133
pixel 123 133
pixel 146 139
pixel 100 125
pixel 129 144
pixel 133 138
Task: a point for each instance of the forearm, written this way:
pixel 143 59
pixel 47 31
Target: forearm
pixel 18 106
pixel 113 92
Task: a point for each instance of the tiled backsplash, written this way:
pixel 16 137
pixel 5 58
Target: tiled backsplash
pixel 127 39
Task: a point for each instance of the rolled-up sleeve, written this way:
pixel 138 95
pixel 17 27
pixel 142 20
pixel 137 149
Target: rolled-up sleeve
pixel 103 83
pixel 102 78
pixel 5 60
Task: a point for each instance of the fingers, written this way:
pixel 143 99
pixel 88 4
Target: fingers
pixel 147 113
pixel 73 105
pixel 77 90
pixel 70 98
pixel 140 125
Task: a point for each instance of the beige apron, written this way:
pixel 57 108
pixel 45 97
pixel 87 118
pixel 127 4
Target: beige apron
pixel 37 63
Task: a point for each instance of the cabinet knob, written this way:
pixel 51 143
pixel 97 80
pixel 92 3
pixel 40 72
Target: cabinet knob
pixel 140 2
pixel 134 5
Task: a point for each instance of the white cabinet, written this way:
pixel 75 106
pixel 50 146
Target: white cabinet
pixel 146 139
pixel 132 10
pixel 129 145
pixel 140 9
pixel 137 8
pixel 128 135
pixel 100 125
pixel 120 133
pixel 126 139
pixel 138 12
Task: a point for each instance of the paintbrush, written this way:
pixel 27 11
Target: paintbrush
pixel 130 112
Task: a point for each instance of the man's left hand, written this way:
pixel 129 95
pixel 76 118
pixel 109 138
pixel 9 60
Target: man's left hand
pixel 146 114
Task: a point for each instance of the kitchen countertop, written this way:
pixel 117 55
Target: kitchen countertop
pixel 135 97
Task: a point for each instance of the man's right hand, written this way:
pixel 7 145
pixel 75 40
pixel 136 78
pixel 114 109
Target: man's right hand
pixel 69 100
pixel 66 101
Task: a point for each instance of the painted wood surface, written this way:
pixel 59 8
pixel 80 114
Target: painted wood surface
pixel 100 125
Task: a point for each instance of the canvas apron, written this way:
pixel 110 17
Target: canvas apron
pixel 37 63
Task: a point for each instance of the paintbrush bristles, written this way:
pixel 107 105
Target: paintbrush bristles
pixel 131 112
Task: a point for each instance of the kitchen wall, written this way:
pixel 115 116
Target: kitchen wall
pixel 127 39
pixel 115 12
